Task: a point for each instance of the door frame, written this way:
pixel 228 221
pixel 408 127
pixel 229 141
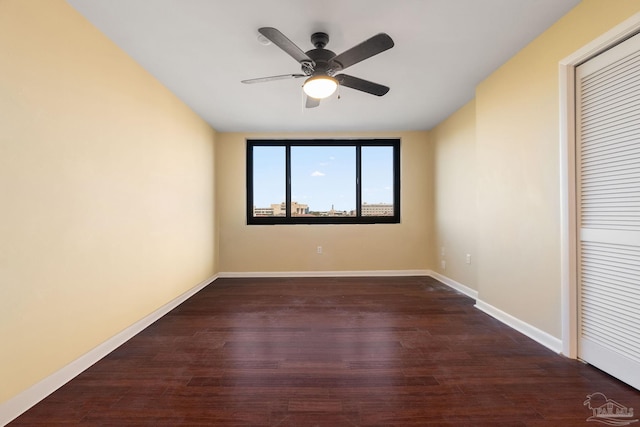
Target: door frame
pixel 568 179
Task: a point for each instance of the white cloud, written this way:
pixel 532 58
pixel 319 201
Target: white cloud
pixel 317 173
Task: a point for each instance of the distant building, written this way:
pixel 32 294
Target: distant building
pixel 262 211
pixel 377 209
pixel 279 209
pixel 299 209
pixel 334 212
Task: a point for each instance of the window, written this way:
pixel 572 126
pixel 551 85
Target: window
pixel 323 181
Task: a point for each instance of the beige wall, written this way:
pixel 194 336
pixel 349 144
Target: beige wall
pixel 107 189
pixel 517 163
pixel 286 248
pixel 455 212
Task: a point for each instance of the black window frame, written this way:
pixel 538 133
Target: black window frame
pixel 358 218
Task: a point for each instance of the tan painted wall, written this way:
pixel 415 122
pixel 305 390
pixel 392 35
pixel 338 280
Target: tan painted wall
pixel 455 212
pixel 517 165
pixel 286 248
pixel 106 186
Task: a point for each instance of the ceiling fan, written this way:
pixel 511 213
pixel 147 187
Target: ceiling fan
pixel 320 65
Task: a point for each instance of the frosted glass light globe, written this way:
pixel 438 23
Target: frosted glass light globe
pixel 320 87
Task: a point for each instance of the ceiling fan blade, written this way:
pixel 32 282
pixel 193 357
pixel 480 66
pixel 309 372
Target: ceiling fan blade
pixel 362 85
pixel 368 48
pixel 311 102
pixel 271 78
pixel 280 40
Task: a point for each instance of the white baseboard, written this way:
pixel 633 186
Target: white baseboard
pixel 357 273
pixel 14 407
pixel 455 285
pixel 549 341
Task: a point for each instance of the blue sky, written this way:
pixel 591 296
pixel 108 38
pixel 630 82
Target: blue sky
pixel 322 176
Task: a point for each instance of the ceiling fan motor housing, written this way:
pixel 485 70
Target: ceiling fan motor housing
pixel 322 58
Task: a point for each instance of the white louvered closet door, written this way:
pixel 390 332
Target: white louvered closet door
pixel 608 175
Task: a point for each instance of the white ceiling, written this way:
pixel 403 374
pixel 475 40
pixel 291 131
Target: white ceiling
pixel 201 49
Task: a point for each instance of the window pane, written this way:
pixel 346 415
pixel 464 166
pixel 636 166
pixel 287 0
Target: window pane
pixel 323 181
pixel 315 181
pixel 377 181
pixel 269 183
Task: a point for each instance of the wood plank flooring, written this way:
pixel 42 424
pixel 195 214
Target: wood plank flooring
pixel 399 351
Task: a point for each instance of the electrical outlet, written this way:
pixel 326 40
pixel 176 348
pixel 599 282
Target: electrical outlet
pixel 468 258
pixel 319 249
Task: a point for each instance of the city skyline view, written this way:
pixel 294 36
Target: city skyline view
pixel 322 177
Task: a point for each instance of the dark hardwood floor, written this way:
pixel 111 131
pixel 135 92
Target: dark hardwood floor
pixel 329 352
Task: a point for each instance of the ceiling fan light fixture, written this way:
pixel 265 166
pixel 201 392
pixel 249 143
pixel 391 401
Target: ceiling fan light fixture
pixel 320 87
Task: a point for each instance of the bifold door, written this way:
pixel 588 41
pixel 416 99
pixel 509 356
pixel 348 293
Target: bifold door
pixel 608 177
